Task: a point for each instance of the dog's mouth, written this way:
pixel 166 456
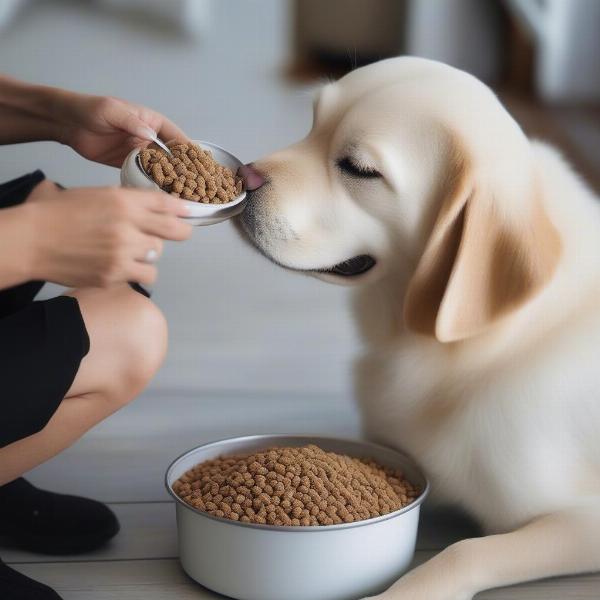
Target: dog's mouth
pixel 346 269
pixel 353 267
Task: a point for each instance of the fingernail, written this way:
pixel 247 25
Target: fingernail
pixel 184 208
pixel 147 133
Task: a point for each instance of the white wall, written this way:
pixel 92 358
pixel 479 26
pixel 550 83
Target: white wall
pixel 237 322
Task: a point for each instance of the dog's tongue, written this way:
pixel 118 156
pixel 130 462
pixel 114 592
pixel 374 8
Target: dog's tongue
pixel 252 178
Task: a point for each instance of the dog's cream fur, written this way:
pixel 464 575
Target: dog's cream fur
pixel 481 317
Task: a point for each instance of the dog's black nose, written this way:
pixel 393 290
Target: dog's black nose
pixel 252 178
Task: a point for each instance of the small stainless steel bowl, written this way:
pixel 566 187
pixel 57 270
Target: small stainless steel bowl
pixel 132 175
pixel 267 562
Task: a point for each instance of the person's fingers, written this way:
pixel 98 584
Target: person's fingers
pixel 169 131
pixel 137 142
pixel 157 214
pixel 165 226
pixel 158 202
pixel 141 122
pixel 114 157
pixel 42 190
pixel 122 116
pixel 142 273
pixel 144 245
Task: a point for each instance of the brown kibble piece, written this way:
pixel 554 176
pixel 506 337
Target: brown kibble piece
pixel 303 486
pixel 191 173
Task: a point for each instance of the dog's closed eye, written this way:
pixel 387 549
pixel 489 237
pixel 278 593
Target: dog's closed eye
pixel 349 167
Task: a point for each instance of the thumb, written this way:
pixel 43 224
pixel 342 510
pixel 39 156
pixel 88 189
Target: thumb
pixel 123 119
pixel 138 128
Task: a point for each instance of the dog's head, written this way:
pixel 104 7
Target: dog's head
pixel 412 170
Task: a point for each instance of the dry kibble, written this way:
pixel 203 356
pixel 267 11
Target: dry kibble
pixel 191 173
pixel 295 486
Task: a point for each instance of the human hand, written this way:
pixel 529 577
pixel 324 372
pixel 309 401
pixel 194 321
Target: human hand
pixel 99 236
pixel 105 129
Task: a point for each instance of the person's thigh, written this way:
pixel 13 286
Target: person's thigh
pixel 128 342
pixel 41 347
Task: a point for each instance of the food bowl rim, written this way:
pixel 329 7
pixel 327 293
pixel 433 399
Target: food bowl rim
pixel 210 207
pixel 299 528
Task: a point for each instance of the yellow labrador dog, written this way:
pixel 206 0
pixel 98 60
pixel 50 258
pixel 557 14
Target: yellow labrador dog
pixel 476 257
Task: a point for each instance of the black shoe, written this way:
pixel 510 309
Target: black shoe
pixel 50 523
pixel 15 586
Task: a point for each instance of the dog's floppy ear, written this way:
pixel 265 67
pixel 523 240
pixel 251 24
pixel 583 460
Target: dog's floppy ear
pixel 479 264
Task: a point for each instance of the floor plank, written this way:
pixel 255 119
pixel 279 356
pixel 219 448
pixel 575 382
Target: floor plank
pixel 148 531
pixel 124 459
pixel 583 587
pixel 118 580
pixel 160 579
pixel 441 526
pixel 126 569
pixel 578 587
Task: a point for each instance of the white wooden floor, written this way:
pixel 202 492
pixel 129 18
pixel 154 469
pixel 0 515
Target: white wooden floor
pixel 253 349
pixel 123 462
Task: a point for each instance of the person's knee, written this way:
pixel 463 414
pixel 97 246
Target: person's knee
pixel 142 343
pixel 128 343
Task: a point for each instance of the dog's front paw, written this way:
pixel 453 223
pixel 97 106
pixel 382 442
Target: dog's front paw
pixel 411 594
pixel 419 585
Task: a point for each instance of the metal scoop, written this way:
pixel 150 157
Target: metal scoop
pixel 154 137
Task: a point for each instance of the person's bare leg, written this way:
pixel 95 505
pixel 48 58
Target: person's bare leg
pixel 128 341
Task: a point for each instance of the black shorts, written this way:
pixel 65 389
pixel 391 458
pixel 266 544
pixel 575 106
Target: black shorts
pixel 41 344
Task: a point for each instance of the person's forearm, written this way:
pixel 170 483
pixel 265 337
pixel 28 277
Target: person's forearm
pixel 17 240
pixel 28 112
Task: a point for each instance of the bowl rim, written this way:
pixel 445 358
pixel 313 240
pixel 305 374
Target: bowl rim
pixel 303 528
pixel 198 206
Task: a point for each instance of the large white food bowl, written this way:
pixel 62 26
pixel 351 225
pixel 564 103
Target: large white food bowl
pixel 132 175
pixel 266 562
